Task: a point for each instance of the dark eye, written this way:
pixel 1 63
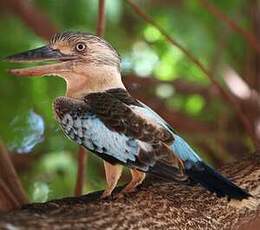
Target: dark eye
pixel 81 46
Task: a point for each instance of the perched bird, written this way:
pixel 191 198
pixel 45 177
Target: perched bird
pixel 99 114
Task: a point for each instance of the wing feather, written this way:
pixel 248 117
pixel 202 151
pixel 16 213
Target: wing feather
pixel 110 128
pixel 119 117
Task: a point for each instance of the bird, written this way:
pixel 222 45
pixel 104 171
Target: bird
pixel 98 113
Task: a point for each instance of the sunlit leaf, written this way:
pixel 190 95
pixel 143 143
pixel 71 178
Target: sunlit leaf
pixel 151 34
pixel 144 59
pixel 40 191
pixel 194 104
pixel 166 70
pixel 164 90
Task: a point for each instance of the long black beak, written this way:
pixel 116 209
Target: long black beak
pixel 44 53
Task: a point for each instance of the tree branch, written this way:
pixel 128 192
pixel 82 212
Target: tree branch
pixel 7 199
pixel 247 35
pixel 156 205
pixel 101 18
pixel 181 86
pixel 33 17
pixel 11 187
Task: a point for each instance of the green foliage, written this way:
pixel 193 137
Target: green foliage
pixel 40 192
pixel 194 104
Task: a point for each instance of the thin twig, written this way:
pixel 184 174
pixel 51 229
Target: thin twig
pixel 33 17
pixel 82 157
pixel 8 201
pixel 101 18
pixel 247 35
pixel 9 176
pixel 244 120
pixel 149 84
pixel 150 20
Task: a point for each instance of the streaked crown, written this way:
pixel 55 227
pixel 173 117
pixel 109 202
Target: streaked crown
pixel 86 46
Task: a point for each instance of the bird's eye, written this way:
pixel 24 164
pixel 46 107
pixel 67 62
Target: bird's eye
pixel 81 46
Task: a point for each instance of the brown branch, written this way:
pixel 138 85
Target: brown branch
pixel 155 205
pixel 81 162
pixel 10 180
pixel 181 86
pixel 8 201
pixel 101 19
pixel 229 98
pixel 33 17
pixel 247 35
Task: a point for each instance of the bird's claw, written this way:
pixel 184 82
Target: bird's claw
pixel 106 194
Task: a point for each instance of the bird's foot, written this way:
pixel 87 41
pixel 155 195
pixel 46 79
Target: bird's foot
pixel 125 192
pixel 106 194
pixel 137 179
pixel 113 173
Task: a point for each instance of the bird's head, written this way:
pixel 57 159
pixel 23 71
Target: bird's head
pixel 87 63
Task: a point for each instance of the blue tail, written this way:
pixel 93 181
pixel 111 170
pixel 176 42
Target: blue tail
pixel 203 174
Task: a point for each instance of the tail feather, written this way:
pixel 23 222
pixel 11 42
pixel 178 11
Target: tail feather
pixel 203 174
pixel 214 181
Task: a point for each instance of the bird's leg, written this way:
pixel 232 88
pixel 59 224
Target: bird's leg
pixel 113 173
pixel 181 166
pixel 137 178
pixel 176 161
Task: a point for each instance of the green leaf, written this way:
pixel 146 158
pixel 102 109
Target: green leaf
pixel 194 104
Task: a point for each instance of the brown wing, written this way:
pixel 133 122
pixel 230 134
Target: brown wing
pixel 112 108
pixel 119 117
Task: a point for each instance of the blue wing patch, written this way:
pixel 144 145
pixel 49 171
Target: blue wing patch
pixel 89 131
pixel 182 149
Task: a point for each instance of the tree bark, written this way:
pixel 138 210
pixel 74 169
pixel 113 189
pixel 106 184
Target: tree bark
pixel 156 205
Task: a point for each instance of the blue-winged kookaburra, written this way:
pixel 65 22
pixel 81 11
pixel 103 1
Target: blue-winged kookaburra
pixel 99 114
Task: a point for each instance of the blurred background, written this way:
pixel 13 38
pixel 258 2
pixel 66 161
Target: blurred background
pixel 223 35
